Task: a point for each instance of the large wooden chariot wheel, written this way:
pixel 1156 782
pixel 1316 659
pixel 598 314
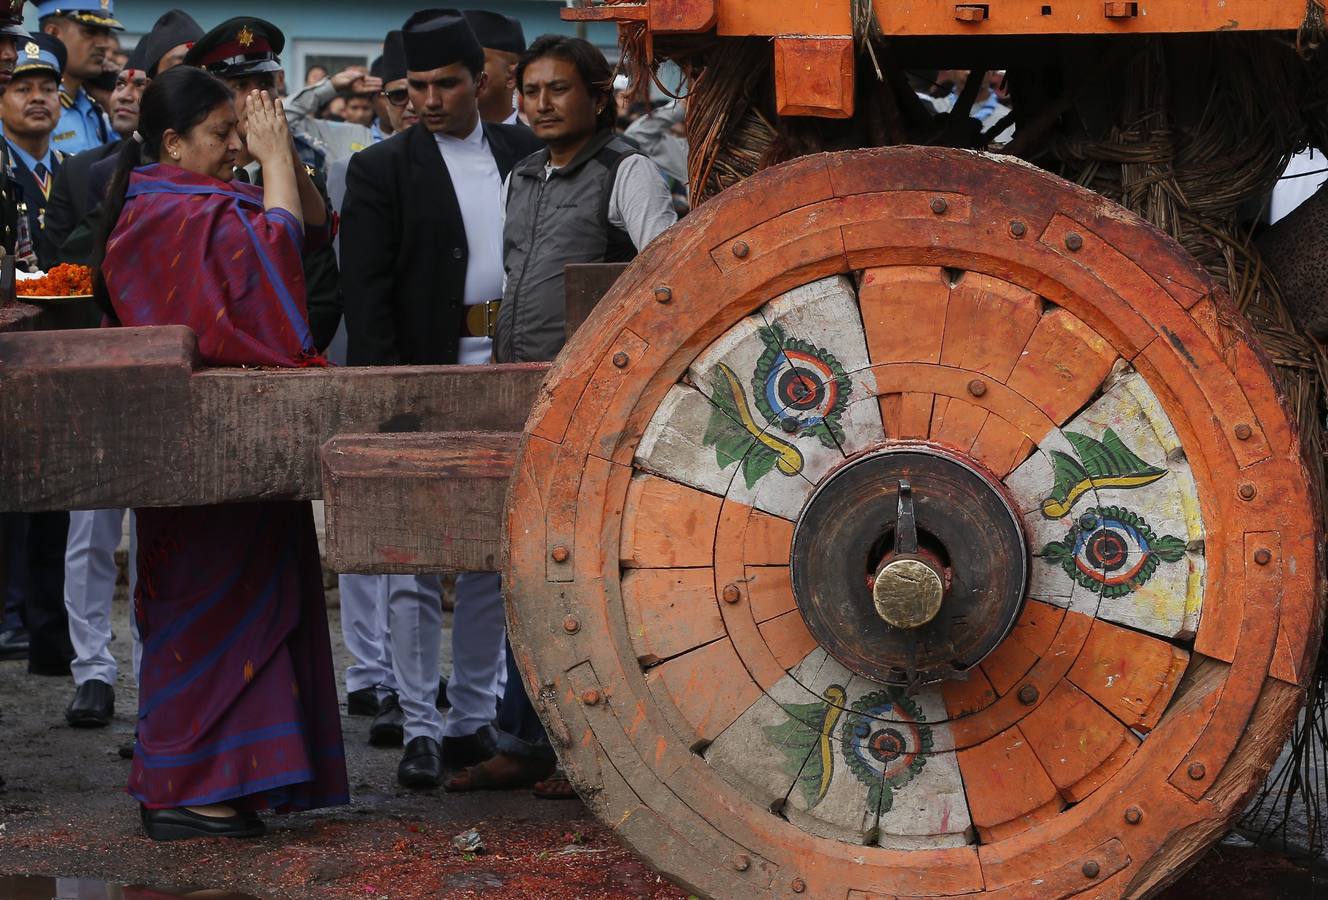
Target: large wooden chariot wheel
pixel 912 523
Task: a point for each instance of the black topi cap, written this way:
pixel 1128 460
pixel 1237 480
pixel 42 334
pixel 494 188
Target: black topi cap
pixel 394 57
pixel 171 30
pixel 427 15
pixel 497 31
pixel 11 20
pixel 239 47
pixel 442 42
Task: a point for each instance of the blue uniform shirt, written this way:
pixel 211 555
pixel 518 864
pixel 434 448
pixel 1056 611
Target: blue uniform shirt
pixel 82 124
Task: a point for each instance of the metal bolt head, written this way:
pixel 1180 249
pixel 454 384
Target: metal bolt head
pixel 1092 869
pixel 590 697
pixel 1074 242
pixel 663 294
pixel 571 625
pixel 731 593
pixel 1243 432
pixel 1263 556
pixel 1018 229
pixel 740 249
pixel 789 425
pixel 742 862
pixel 977 387
pixel 560 554
pixel 1028 695
pixel 1197 771
pixel 620 360
pixel 1247 491
pixel 1134 815
pixel 798 885
pixel 939 205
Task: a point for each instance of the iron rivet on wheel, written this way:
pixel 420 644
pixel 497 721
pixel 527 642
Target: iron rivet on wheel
pixel 1091 869
pixel 1028 695
pixel 1134 815
pixel 740 249
pixel 620 360
pixel 590 697
pixel 1074 242
pixel 939 206
pixel 977 387
pixel 663 294
pixel 560 554
pixel 1197 771
pixel 1263 556
pixel 742 862
pixel 731 593
pixel 1247 491
pixel 571 625
pixel 1243 432
pixel 790 425
pixel 798 885
pixel 1018 229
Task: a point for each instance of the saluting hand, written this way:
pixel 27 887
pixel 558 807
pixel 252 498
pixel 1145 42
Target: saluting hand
pixel 267 135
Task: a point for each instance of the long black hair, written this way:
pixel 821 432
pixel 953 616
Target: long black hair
pixel 177 100
pixel 590 65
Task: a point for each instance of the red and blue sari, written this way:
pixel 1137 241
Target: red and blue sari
pixel 237 695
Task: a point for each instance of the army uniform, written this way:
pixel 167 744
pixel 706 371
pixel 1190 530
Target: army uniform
pixel 244 47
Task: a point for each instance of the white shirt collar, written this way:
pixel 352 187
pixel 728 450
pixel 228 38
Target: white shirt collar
pixel 476 137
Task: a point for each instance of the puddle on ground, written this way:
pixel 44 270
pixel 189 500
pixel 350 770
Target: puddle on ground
pixel 36 887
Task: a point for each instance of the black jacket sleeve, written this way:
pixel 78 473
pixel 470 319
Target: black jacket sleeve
pixel 370 222
pixel 61 217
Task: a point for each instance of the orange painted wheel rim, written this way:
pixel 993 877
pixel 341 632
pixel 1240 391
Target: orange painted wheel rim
pixel 821 311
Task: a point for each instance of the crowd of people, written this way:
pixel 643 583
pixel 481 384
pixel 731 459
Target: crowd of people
pixel 425 219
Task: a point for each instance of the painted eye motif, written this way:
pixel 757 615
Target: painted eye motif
pixel 885 755
pixel 801 385
pixel 1113 551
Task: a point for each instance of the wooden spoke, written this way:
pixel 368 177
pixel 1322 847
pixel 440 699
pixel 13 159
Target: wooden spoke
pixel 670 611
pixel 895 295
pixel 668 525
pixel 1063 365
pixel 987 324
pixel 770 592
pixel 709 686
pixel 1079 743
pixel 1131 674
pixel 1008 789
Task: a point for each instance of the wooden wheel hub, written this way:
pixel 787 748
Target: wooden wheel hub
pixel 909 564
pixel 704 503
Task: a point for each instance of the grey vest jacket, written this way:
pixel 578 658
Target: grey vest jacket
pixel 551 222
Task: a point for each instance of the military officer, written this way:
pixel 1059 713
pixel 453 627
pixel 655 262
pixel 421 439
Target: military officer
pixel 84 27
pixel 30 109
pixel 244 52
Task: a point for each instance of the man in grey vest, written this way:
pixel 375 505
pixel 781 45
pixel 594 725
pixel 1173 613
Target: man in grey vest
pixel 588 197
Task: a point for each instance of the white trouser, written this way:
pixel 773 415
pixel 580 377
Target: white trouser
pixel 415 622
pixel 94 536
pixel 364 629
pixel 479 653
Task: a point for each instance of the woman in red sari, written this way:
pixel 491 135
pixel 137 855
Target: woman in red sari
pixel 237 701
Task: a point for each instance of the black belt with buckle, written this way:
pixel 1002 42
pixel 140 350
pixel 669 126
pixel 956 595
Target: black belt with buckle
pixel 480 319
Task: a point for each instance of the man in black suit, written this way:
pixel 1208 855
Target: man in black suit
pixel 421 252
pixel 77 191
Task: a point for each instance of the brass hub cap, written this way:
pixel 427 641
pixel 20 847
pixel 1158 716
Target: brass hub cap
pixel 908 593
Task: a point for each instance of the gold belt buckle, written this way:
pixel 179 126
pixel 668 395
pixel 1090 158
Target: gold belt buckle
pixel 482 319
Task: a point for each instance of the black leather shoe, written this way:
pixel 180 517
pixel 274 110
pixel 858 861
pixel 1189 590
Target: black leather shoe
pixel 92 706
pixel 386 730
pixel 181 824
pixel 363 702
pixel 442 702
pixel 422 764
pixel 14 643
pixel 471 750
